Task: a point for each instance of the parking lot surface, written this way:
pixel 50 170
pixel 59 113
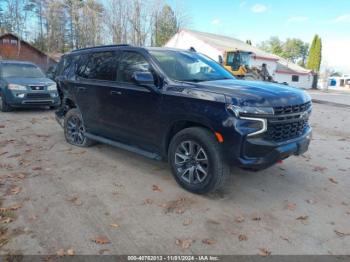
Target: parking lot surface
pixel 58 199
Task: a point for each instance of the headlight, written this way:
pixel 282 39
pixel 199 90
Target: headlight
pixel 250 110
pixel 52 87
pixel 15 87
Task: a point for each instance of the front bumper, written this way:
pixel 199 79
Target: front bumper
pixel 33 99
pixel 258 153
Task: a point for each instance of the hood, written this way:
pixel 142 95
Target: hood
pixel 25 81
pixel 256 93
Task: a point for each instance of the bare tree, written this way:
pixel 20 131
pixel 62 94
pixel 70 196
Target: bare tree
pixel 117 22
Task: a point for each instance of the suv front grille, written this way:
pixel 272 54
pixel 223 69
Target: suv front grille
pixel 282 110
pixel 38 95
pixel 284 131
pixel 288 122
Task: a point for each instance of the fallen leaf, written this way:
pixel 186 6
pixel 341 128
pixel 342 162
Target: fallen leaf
pixel 264 252
pixel 302 217
pixel 70 252
pixel 291 206
pixel 184 243
pixel 37 168
pixel 76 201
pixel 15 190
pixel 285 239
pixel 103 251
pixel 212 221
pixel 333 180
pixel 256 218
pixel 187 222
pixel 15 207
pixel 341 234
pixel 208 241
pixel 242 237
pixel 114 225
pixel 7 220
pixel 156 188
pixel 319 169
pixel 239 219
pixel 148 201
pixel 102 240
pixel 60 252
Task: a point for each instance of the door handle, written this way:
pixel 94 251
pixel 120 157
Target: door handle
pixel 81 88
pixel 116 93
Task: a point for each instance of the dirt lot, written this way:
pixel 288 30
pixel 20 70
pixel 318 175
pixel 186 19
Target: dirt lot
pixel 55 196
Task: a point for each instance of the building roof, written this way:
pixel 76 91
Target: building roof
pixel 286 67
pixel 224 43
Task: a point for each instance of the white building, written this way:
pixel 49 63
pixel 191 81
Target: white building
pixel 214 46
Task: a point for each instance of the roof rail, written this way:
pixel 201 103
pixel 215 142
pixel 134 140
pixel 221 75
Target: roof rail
pixel 100 46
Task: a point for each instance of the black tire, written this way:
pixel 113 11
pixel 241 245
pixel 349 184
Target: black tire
pixel 204 141
pixel 4 106
pixel 75 135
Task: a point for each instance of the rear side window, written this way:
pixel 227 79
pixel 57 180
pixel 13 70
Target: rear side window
pixel 131 62
pixel 99 66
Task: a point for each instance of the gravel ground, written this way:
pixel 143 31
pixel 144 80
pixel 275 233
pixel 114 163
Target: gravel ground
pixel 102 200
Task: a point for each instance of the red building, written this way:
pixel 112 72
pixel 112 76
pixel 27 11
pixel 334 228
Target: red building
pixel 13 48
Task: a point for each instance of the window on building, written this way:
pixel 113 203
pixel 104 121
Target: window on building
pixel 13 42
pixel 5 41
pixel 295 78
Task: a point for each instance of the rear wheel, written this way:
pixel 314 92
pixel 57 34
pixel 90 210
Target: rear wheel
pixel 196 160
pixel 4 107
pixel 74 129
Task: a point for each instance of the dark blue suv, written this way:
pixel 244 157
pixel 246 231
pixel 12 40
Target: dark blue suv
pixel 179 106
pixel 23 84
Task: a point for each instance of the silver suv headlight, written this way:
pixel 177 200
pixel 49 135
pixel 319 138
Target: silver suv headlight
pixel 249 110
pixel 15 87
pixel 52 87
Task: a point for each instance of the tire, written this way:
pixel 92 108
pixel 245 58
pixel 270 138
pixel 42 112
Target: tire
pixel 3 105
pixel 74 130
pixel 207 175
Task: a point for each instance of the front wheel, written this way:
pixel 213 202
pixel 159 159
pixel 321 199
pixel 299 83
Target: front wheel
pixel 197 161
pixel 74 129
pixel 4 106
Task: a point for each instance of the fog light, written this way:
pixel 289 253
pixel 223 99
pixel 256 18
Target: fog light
pixel 20 95
pixel 54 94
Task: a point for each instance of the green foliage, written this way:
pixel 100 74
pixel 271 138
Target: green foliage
pixel 315 56
pixel 293 49
pixel 166 26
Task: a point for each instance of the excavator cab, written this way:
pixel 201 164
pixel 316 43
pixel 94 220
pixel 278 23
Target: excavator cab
pixel 237 62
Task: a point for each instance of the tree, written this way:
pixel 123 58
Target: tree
pixel 293 49
pixel 249 42
pixel 315 55
pixel 166 25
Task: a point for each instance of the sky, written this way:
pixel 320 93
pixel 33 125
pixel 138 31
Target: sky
pixel 259 20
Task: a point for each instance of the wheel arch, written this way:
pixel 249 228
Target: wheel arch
pixel 179 125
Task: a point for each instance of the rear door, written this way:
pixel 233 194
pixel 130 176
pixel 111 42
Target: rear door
pixel 96 72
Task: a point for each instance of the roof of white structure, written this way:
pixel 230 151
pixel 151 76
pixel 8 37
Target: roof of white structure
pixel 285 66
pixel 228 43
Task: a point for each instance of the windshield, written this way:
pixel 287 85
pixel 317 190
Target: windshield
pixel 21 70
pixel 189 66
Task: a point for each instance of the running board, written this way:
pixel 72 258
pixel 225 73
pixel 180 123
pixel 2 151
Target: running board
pixel 129 148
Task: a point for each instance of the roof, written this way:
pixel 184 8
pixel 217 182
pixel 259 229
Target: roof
pixel 286 67
pixel 224 43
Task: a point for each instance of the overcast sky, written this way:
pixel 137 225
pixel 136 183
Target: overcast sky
pixel 258 20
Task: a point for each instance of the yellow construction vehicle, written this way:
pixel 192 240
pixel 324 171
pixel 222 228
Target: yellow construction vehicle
pixel 237 62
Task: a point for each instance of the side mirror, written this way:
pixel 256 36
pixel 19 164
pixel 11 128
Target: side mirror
pixel 143 78
pixel 221 60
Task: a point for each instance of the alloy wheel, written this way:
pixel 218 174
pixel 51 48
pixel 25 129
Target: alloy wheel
pixel 75 130
pixel 191 161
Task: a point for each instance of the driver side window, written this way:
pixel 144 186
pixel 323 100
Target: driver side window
pixel 129 63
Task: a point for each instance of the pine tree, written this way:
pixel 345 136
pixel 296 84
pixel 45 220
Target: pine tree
pixel 315 54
